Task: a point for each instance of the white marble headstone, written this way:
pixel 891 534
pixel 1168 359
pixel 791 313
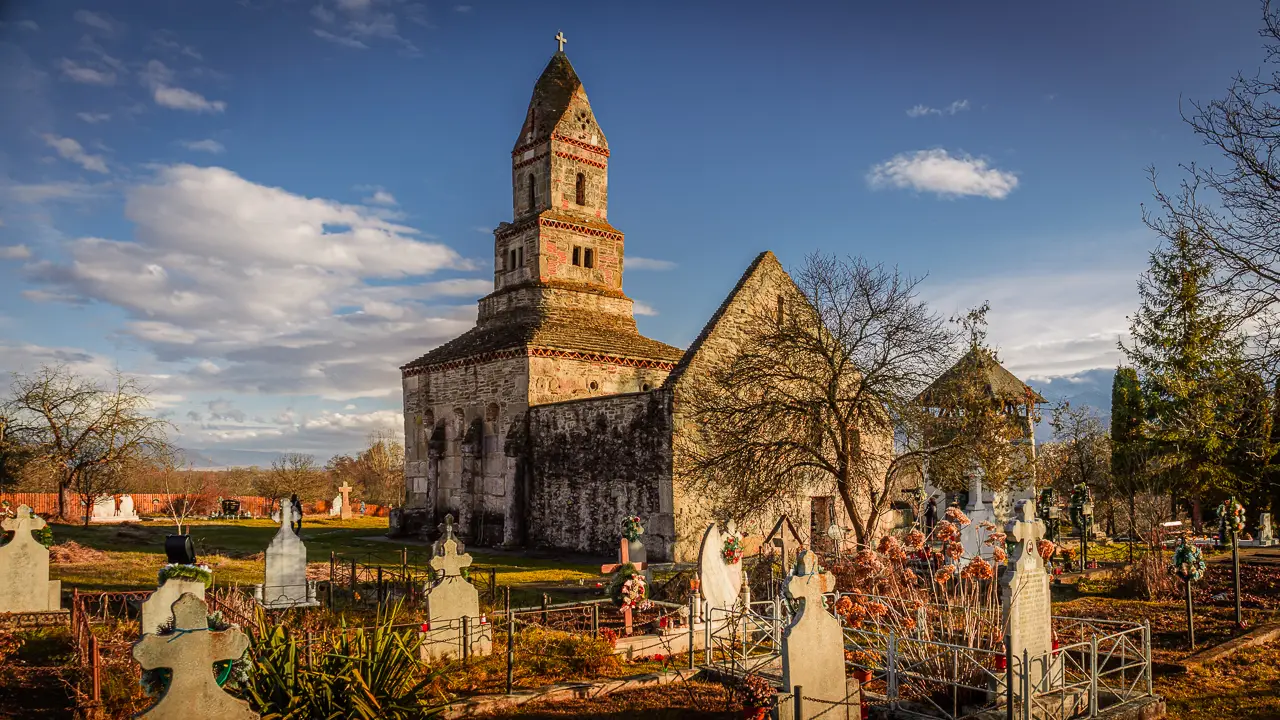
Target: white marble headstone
pixel 127 511
pixel 104 508
pixel 335 508
pixel 721 582
pixel 450 598
pixel 285 579
pixel 1024 595
pixel 1265 533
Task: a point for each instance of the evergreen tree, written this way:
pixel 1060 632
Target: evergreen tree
pixel 1252 451
pixel 1129 447
pixel 1187 351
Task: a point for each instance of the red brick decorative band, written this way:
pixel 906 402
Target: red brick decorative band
pixel 585 230
pixel 539 352
pixel 571 156
pixel 530 161
pixel 578 143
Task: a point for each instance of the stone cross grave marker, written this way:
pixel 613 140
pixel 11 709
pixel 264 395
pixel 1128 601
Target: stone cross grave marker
pixel 190 652
pixel 1024 596
pixel 24 568
pixel 624 557
pixel 285 577
pixel 451 598
pixel 346 489
pixel 813 647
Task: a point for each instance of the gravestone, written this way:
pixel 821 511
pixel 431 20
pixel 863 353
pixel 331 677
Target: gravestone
pixel 24 568
pixel 813 648
pixel 346 489
pixel 784 537
pixel 190 652
pixel 157 609
pixel 127 511
pixel 104 509
pixel 285 578
pixel 719 581
pixel 450 598
pixel 275 515
pixel 971 536
pixel 1024 596
pixel 336 506
pixel 1265 534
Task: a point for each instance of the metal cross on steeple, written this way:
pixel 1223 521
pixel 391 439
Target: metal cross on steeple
pixel 560 38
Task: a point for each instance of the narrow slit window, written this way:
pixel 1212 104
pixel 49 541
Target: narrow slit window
pixel 520 256
pixel 533 199
pixel 577 255
pixel 589 258
pixel 782 309
pixel 511 260
pixel 580 193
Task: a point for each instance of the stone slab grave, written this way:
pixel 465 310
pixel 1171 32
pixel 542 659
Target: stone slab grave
pixel 104 510
pixel 25 586
pixel 190 652
pixel 285 582
pixel 813 650
pixel 450 598
pixel 1265 536
pixel 345 490
pixel 335 507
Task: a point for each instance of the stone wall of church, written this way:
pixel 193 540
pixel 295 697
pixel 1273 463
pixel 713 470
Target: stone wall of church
pixel 593 462
pixel 556 379
pixel 456 421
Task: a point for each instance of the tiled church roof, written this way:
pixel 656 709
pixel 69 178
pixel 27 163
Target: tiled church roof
pixel 561 330
pixel 1000 384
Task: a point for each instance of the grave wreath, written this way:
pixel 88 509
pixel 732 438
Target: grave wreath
pixel 1188 562
pixel 629 589
pixel 1231 514
pixel 733 549
pixel 632 529
pixel 179 571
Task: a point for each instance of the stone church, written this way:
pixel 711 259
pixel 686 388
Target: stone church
pixel 553 418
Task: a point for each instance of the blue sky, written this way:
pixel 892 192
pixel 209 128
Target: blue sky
pixel 265 207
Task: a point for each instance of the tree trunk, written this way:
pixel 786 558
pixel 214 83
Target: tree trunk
pixel 1197 521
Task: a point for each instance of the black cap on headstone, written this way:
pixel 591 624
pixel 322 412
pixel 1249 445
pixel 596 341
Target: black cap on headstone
pixel 180 549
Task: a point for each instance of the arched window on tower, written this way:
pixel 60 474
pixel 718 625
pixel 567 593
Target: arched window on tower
pixel 533 196
pixel 580 194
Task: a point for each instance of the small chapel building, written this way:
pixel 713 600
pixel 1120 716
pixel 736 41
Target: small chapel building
pixel 554 418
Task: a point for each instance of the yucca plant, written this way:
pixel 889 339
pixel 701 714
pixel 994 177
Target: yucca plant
pixel 349 673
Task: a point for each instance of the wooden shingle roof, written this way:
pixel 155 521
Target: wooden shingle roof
pixel 1001 384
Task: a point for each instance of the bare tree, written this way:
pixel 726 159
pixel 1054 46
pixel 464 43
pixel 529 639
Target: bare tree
pixel 815 395
pixel 187 492
pixel 290 473
pixel 377 472
pixel 89 433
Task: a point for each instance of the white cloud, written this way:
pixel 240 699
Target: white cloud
pixel 957 106
pixel 71 150
pixel 209 146
pixel 381 197
pixel 14 252
pixel 938 172
pixel 182 99
pixel 642 263
pixel 284 294
pixel 357 24
pixel 93 118
pixel 86 75
pixel 159 78
pixel 37 193
pixel 98 21
pixel 168 40
pixel 640 308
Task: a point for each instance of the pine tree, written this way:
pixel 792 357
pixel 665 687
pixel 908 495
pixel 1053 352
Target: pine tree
pixel 1187 351
pixel 1252 450
pixel 1129 446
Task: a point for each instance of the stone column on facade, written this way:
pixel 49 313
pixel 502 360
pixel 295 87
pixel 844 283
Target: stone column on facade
pixel 432 490
pixel 514 452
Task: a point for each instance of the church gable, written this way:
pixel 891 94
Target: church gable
pixel 765 286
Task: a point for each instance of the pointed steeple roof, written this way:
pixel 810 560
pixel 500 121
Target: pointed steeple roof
pixel 552 96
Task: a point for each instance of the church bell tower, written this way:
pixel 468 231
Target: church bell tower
pixel 559 250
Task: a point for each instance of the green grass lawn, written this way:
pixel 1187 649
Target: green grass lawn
pixel 136 553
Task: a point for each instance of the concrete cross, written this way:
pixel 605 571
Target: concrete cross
pixel 561 39
pixel 1026 527
pixel 809 584
pixel 447 561
pixel 345 489
pixel 23 525
pixel 190 652
pixel 286 513
pixel 624 555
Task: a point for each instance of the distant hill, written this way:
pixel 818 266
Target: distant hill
pixel 1092 388
pixel 220 458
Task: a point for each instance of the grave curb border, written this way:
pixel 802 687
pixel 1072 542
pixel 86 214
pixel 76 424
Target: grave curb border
pixel 483 704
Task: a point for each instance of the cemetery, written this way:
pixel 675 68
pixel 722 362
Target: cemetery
pixel 915 627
